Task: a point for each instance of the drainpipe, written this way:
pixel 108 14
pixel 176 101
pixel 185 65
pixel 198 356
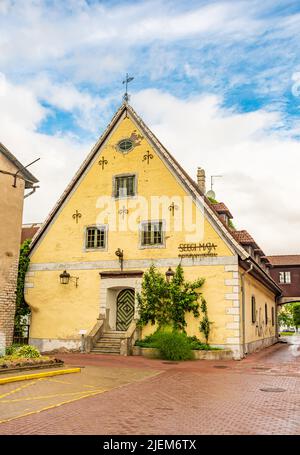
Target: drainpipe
pixel 33 190
pixel 243 306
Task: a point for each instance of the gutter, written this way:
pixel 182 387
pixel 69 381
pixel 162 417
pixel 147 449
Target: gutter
pixel 243 306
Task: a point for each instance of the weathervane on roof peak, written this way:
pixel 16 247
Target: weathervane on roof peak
pixel 126 81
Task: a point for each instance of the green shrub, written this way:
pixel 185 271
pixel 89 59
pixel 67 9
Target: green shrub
pixel 153 341
pixel 174 346
pixel 28 352
pixel 11 350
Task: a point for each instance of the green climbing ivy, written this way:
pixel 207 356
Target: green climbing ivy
pixel 205 323
pixel 22 309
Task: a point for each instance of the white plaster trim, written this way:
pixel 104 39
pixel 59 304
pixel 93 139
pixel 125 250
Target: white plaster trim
pixel 232 268
pixel 232 310
pixel 134 263
pixel 232 282
pixel 232 296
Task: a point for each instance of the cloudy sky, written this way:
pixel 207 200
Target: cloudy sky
pixel 217 81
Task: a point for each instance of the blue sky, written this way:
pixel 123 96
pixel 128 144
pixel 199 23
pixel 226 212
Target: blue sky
pixel 62 66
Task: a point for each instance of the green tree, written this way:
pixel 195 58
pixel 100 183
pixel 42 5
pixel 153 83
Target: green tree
pixel 285 317
pixel 22 309
pixel 296 315
pixel 166 302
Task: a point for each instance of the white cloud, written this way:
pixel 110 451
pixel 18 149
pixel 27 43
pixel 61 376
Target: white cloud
pixel 20 115
pixel 260 170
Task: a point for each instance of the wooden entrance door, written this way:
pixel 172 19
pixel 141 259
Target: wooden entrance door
pixel 125 309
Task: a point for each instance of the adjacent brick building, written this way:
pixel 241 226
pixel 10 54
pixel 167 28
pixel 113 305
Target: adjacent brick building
pixel 286 272
pixel 14 180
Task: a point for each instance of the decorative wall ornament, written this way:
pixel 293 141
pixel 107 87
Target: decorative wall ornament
pixel 103 162
pixel 76 216
pixel 123 211
pixel 148 157
pixel 173 207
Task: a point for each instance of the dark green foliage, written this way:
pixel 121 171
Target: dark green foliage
pixel 11 350
pixel 152 341
pixel 22 309
pixel 296 314
pixel 174 346
pixel 28 352
pixel 205 323
pixel 212 200
pixel 166 303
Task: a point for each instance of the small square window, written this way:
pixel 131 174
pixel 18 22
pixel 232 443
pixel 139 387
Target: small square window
pixel 152 233
pixel 285 277
pixel 124 186
pixel 95 237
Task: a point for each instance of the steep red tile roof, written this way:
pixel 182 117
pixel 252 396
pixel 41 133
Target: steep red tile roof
pixel 243 237
pixel 288 259
pixel 29 230
pixel 221 208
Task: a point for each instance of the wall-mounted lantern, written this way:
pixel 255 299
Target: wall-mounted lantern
pixel 169 274
pixel 65 277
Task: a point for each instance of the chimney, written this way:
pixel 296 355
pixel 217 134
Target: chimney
pixel 201 179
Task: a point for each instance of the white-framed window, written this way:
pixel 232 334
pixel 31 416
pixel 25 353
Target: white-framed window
pixel 152 234
pixel 124 186
pixel 285 277
pixel 95 237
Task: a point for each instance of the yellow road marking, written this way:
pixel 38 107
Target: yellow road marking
pixel 48 396
pixel 53 406
pixel 17 389
pixel 44 374
pixel 59 382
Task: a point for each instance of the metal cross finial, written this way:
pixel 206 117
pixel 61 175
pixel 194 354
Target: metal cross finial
pixel 126 81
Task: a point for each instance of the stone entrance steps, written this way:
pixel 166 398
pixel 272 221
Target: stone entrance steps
pixel 109 343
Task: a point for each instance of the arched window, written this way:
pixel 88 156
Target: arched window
pixel 273 316
pixel 253 309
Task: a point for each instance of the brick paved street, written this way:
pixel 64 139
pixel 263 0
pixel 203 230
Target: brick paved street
pixel 184 398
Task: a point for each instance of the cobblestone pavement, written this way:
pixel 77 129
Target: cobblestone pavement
pixel 200 397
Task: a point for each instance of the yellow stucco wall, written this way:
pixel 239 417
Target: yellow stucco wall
pixel 11 208
pixel 262 296
pixel 60 311
pixel 65 239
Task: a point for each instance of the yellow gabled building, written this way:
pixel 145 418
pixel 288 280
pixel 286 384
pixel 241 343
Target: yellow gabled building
pixel 131 205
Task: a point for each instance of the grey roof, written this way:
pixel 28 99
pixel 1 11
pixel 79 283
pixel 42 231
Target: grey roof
pixel 28 177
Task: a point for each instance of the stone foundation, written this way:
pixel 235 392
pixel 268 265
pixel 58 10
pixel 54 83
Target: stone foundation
pixel 257 345
pixel 48 345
